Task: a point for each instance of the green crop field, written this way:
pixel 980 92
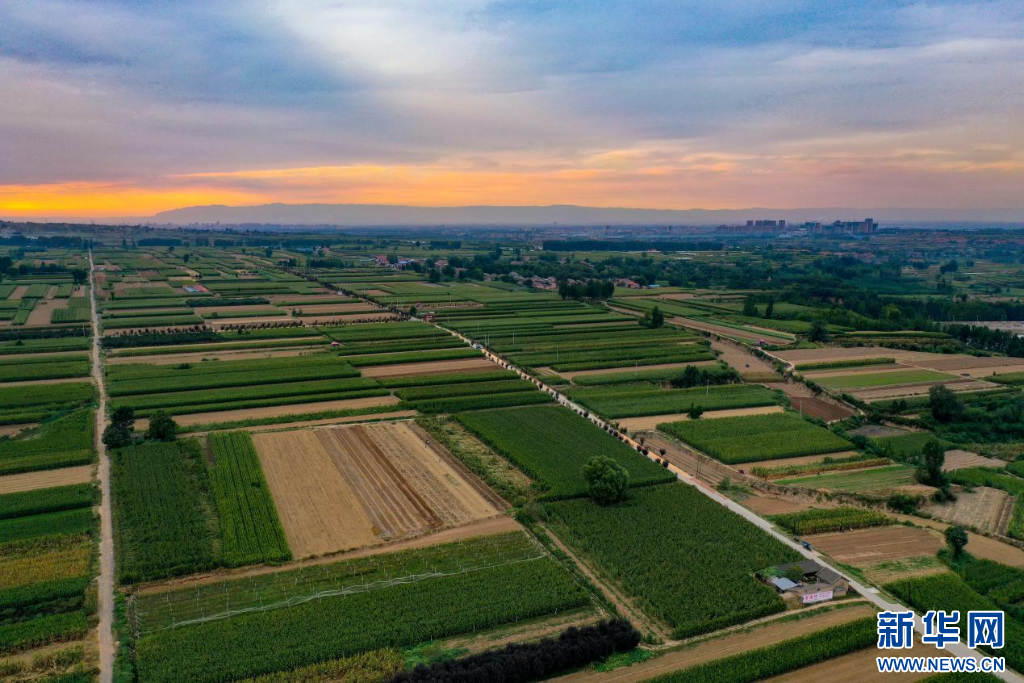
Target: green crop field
pixel 38 368
pixel 910 445
pixel 822 520
pixel 61 443
pixel 881 379
pixel 250 529
pixel 634 400
pixel 688 559
pixel 949 592
pixel 552 444
pixel 756 437
pixel 161 495
pixel 388 613
pixel 879 479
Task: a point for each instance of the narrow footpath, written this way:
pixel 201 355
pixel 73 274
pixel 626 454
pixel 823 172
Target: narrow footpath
pixel 105 608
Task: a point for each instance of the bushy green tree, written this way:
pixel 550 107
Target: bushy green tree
pixel 956 538
pixel 944 404
pixel 607 480
pixel 162 427
pixel 121 430
pixel 929 471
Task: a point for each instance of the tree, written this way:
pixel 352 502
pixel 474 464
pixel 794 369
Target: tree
pixel 121 430
pixel 944 404
pixel 769 311
pixel 186 257
pixel 412 311
pixel 162 427
pixel 269 252
pixel 818 332
pixel 606 479
pixel 956 538
pixel 929 472
pixel 653 318
pixel 695 411
pixel 749 308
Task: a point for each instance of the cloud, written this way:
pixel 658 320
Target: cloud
pixel 665 103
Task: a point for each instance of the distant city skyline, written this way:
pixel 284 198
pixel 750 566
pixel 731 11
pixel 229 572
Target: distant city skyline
pixel 116 109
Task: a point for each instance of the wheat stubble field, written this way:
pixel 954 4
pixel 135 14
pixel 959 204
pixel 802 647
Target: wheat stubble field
pixel 340 488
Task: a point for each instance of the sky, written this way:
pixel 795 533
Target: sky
pixel 127 108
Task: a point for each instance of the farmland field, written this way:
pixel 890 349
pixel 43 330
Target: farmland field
pixel 756 438
pixel 349 487
pixel 551 444
pixel 880 379
pixel 873 480
pixel 392 614
pixel 635 400
pixel 701 581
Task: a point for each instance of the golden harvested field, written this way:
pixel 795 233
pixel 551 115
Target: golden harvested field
pixel 958 459
pixel 275 411
pixel 984 508
pixel 828 354
pixel 438 367
pixel 340 488
pixel 867 546
pixel 30 481
pixel 918 389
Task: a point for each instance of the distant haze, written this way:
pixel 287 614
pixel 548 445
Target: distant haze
pixel 381 214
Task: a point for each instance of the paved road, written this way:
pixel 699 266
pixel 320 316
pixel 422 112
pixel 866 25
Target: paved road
pixel 105 607
pixel 872 594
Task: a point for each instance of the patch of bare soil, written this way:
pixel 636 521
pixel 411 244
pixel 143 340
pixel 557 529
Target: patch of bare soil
pixel 652 421
pixel 833 353
pixel 857 667
pixel 768 505
pixel 958 459
pixel 878 431
pixel 440 367
pixel 802 399
pixel 786 462
pixel 275 411
pixel 919 389
pixel 710 649
pixel 864 546
pixel 277 427
pixel 30 481
pixel 741 359
pixel 981 509
pixel 198 357
pixel 14 430
pixel 44 308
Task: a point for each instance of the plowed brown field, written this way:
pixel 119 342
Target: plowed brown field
pixel 340 488
pixel 866 546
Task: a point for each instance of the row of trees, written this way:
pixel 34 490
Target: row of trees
pixel 520 663
pixel 121 430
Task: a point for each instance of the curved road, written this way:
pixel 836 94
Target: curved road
pixel 105 607
pixel 872 594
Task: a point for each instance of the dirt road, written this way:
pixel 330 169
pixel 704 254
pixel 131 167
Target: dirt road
pixel 716 648
pixel 105 602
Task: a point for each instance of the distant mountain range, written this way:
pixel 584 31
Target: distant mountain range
pixel 394 215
